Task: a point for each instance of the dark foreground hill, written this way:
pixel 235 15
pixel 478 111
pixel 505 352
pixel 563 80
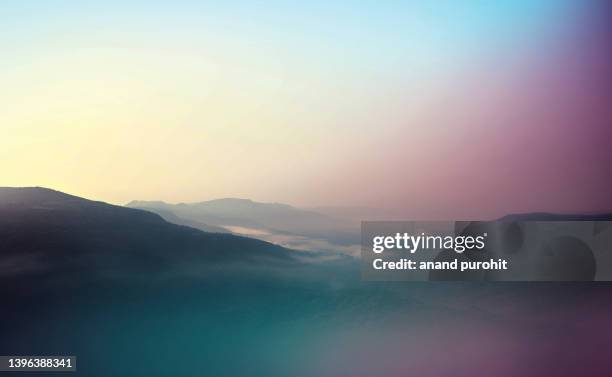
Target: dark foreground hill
pixel 49 233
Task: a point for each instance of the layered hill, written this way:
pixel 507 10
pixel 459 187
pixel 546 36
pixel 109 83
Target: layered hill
pixel 274 222
pixel 49 233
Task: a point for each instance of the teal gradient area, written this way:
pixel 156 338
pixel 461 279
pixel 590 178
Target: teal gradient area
pixel 283 327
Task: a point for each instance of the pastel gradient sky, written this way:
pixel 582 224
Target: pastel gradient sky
pixel 441 109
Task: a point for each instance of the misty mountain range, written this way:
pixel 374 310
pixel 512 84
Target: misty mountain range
pixel 317 229
pixel 277 223
pixel 46 233
pixel 81 277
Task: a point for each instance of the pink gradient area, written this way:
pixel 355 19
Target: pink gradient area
pixel 512 133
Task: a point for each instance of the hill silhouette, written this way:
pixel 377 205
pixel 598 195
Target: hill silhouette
pixel 47 233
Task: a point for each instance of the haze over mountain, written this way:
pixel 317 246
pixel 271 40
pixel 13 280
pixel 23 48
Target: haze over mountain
pixel 171 217
pixel 274 222
pixel 48 233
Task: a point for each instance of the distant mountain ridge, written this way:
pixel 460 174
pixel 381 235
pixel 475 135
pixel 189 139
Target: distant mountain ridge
pixel 275 222
pixel 44 232
pixel 243 212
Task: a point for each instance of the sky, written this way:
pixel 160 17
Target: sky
pixel 440 109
